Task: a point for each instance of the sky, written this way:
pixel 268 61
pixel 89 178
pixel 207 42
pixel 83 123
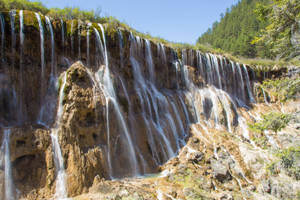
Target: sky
pixel 175 20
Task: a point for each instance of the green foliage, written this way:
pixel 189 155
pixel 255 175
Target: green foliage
pixel 261 141
pixel 272 168
pixel 75 13
pixel 235 31
pixel 56 13
pixel 289 159
pixel 280 15
pixel 282 89
pixel 23 5
pixel 274 121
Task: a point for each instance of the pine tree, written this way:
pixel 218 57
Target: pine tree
pixel 236 30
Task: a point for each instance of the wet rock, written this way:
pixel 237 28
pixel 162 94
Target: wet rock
pixel 226 197
pixel 251 188
pixel 188 191
pixel 220 171
pixel 195 140
pixel 197 157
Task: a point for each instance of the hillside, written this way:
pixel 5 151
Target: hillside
pixel 235 31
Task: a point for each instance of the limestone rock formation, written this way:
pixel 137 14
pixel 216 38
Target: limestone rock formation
pixel 110 115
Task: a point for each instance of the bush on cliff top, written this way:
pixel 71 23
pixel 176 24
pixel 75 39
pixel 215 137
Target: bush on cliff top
pixel 57 13
pixel 23 5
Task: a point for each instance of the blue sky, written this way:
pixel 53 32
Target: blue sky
pixel 174 20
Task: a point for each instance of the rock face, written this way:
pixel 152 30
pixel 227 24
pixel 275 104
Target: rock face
pixel 127 107
pixel 220 171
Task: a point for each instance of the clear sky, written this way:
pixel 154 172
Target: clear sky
pixel 174 20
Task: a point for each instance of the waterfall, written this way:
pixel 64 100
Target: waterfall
pixel 265 96
pixel 79 40
pixel 121 48
pixel 12 16
pixel 250 94
pixel 164 56
pixel 72 38
pixel 110 97
pixel 209 70
pixel 182 133
pixel 141 89
pixel 62 34
pixel 2 24
pixel 149 60
pixel 157 109
pixel 88 44
pixel 149 121
pixel 22 37
pixel 200 64
pixel 61 191
pixel 208 101
pixel 42 53
pixel 242 87
pixel 191 56
pixel 184 57
pixel 21 33
pixel 47 109
pixel 53 68
pixel 216 66
pixel 5 161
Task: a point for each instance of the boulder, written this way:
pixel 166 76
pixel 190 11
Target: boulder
pixel 220 171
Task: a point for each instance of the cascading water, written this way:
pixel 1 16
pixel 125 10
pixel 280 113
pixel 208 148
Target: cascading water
pixel 61 191
pixel 121 48
pixel 79 40
pixel 47 102
pixel 110 96
pixel 161 121
pixel 22 38
pixel 149 60
pixel 242 88
pixel 249 90
pixel 211 97
pixel 62 34
pixel 72 38
pixel 42 52
pixel 166 114
pixel 88 44
pixel 12 16
pixel 9 193
pixel 53 69
pixel 2 25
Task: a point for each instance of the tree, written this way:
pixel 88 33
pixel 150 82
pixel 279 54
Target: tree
pixel 236 29
pixel 281 16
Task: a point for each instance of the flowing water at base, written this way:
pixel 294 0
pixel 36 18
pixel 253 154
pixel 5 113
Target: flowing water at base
pixel 9 192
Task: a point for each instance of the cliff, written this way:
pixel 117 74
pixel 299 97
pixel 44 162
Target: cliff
pixel 89 108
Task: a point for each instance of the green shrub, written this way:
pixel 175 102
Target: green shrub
pixel 274 121
pixel 282 89
pixel 261 141
pixel 289 159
